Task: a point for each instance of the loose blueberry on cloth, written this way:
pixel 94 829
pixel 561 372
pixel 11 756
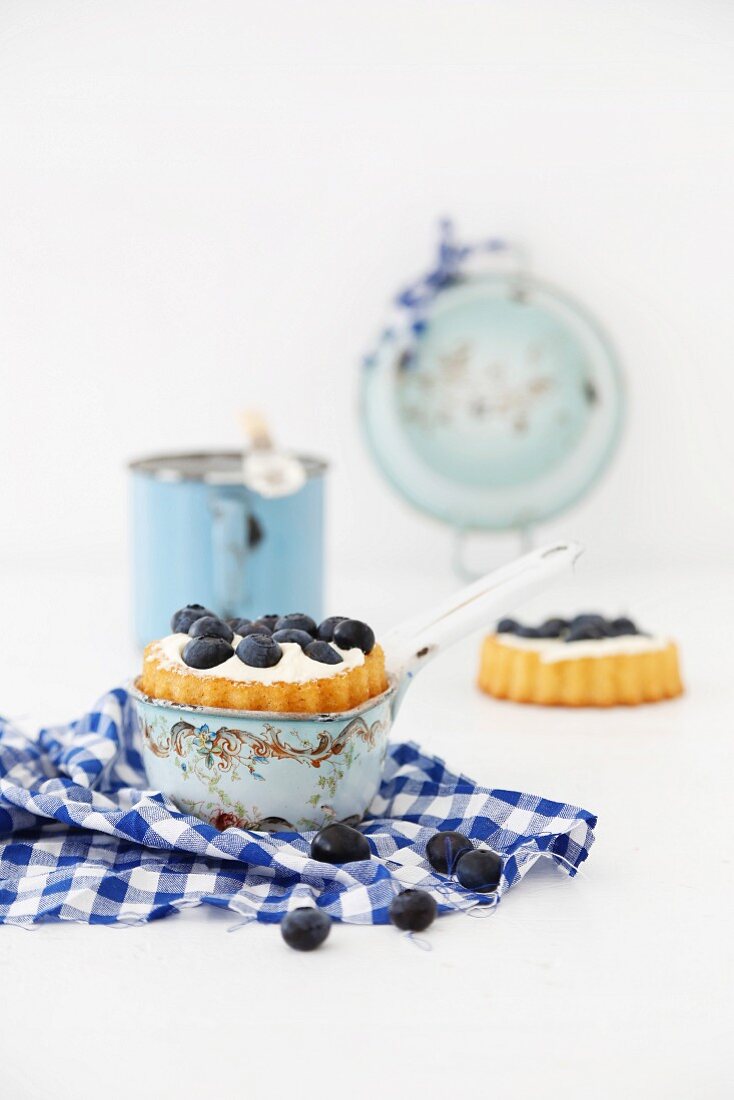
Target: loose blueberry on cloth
pixel 82 839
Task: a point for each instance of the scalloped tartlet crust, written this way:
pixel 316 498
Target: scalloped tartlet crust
pixel 346 690
pixel 615 680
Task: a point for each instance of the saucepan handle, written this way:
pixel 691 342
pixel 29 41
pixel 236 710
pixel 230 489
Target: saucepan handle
pixel 410 646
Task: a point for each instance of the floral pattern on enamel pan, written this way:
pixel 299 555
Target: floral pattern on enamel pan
pixel 266 773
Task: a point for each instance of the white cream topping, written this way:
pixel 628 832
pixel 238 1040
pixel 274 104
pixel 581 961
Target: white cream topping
pixel 294 667
pixel 553 650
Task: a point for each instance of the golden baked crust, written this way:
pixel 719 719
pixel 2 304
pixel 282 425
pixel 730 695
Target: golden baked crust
pixel 508 672
pixel 332 693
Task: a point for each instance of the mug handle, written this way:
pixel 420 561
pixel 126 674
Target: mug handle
pixel 231 537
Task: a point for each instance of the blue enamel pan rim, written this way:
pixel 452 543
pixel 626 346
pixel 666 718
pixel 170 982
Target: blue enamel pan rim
pixel 258 715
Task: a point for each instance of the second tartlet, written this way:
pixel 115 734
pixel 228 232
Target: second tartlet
pixel 588 661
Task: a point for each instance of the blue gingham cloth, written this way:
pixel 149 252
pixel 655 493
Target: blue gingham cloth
pixel 83 839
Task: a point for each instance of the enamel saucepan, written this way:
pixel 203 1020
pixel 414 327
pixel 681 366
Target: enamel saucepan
pixel 261 770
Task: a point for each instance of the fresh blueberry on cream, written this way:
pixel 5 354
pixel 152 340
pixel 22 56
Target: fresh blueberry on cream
pixel 185 616
pixel 586 619
pixel 211 627
pixel 206 652
pixel 552 628
pixel 623 626
pixel 268 621
pixel 353 634
pixel 328 626
pixel 239 626
pixel 258 627
pixel 297 621
pixel 324 653
pixel 259 651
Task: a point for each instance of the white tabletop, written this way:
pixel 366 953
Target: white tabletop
pixel 614 983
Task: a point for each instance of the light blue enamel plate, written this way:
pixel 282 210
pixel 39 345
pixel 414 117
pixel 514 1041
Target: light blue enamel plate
pixel 504 409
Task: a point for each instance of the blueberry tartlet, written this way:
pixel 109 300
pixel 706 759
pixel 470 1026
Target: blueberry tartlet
pixel 284 663
pixel 587 661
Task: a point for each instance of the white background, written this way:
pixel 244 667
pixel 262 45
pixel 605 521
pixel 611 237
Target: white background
pixel 207 205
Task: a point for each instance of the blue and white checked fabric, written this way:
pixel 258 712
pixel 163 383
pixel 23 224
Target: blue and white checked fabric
pixel 82 839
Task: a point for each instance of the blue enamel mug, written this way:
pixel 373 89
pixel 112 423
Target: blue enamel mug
pixel 201 536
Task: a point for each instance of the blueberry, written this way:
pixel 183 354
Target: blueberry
pixel 337 843
pixel 297 621
pixel 552 628
pixel 443 850
pixel 528 632
pixel 623 626
pixel 185 616
pixel 323 653
pixel 479 870
pixel 327 627
pixel 239 625
pixel 588 632
pixel 259 651
pixel 258 627
pixel 588 620
pixel 206 652
pixel 268 621
pixel 412 910
pixel 305 929
pixel 353 634
pixel 507 626
pixel 300 637
pixel 209 626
